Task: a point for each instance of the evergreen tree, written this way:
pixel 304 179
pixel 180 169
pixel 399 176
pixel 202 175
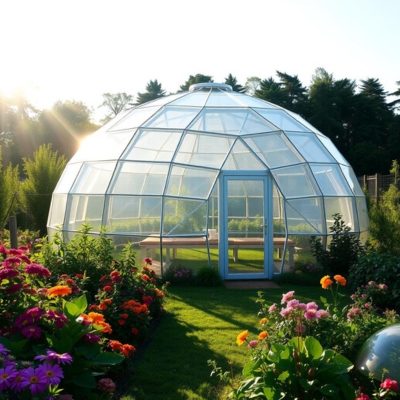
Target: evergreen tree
pixel 231 80
pixel 153 91
pixel 198 78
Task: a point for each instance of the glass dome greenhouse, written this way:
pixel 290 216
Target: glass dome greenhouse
pixel 209 177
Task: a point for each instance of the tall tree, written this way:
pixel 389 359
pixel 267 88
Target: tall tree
pixel 231 80
pixel 252 85
pixel 271 91
pixel 296 93
pixel 114 103
pixel 198 78
pixel 65 125
pixel 154 91
pixel 395 103
pixel 43 173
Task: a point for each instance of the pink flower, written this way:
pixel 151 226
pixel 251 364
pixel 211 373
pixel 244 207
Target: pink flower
pixel 322 314
pixel 390 384
pixel 312 306
pixel 37 269
pixel 7 273
pixel 3 250
pixel 11 262
pixel 311 314
pixel 31 332
pixel 286 311
pixel 287 296
pixel 300 328
pixel 363 397
pixel 272 308
pixel 252 344
pixel 293 303
pixel 107 385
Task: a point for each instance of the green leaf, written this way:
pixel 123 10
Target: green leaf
pixel 71 310
pixel 108 358
pixel 329 390
pixel 283 376
pixel 15 347
pixel 251 366
pixel 81 303
pixel 313 347
pixel 85 379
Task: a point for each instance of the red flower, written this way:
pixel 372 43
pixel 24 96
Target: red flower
pixel 107 289
pixel 148 261
pixel 134 331
pixel 80 276
pixel 390 384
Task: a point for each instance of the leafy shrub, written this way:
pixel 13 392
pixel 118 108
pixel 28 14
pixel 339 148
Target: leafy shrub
pixel 208 277
pixel 178 275
pixel 343 250
pixel 378 267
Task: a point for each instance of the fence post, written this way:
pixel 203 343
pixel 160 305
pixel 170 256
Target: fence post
pixel 13 232
pixel 378 185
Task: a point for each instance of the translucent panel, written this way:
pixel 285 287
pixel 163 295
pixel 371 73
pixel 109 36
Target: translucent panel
pixel 164 100
pixel 103 146
pixel 362 212
pixel 173 117
pixel 303 121
pixel 191 182
pixel 192 99
pixel 136 215
pixel 249 101
pixel 213 206
pixel 343 206
pixel 67 178
pixel 203 150
pixel 352 180
pixel 115 120
pixel 153 145
pixel 305 215
pixel 296 181
pixel 282 120
pixel 310 147
pixel 94 178
pixel 274 149
pixel 182 216
pixel 333 150
pixel 230 121
pixel 139 178
pixel 222 99
pixel 241 158
pixel 331 180
pixel 135 118
pixel 57 210
pixel 83 209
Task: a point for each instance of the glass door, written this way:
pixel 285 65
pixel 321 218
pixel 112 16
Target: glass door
pixel 245 246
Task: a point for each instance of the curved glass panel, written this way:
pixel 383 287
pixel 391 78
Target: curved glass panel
pixel 57 211
pixel 135 118
pixel 352 180
pixel 94 178
pixel 274 149
pixel 340 205
pixel 84 208
pixel 150 145
pixel 139 178
pixel 221 99
pixel 241 158
pixel 103 146
pixel 303 121
pixel 305 216
pixel 330 180
pixel 67 178
pixel 162 101
pixel 173 117
pixel 203 150
pixel 191 182
pixel 310 147
pixel 194 99
pixel 296 181
pixel 282 120
pixel 362 212
pixel 333 150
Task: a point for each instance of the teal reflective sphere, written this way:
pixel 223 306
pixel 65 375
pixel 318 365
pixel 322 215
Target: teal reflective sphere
pixel 381 351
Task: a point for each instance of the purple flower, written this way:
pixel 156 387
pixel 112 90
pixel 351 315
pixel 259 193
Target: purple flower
pixel 31 332
pixel 51 355
pixel 7 376
pixel 17 386
pixel 3 350
pixel 53 372
pixel 91 338
pixel 35 379
pixel 7 273
pixel 252 344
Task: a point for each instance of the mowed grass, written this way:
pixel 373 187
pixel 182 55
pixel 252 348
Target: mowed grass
pixel 200 324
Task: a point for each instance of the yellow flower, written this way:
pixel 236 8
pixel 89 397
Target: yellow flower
pixel 262 335
pixel 326 282
pixel 241 338
pixel 340 280
pixel 263 321
pixel 59 291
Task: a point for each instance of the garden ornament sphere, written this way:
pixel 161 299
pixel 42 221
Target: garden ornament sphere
pixel 381 351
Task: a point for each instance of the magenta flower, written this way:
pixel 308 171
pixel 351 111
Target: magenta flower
pixel 31 332
pixel 7 376
pixel 3 350
pixel 310 314
pixel 390 384
pixel 272 308
pixel 11 262
pixel 312 306
pixel 7 273
pixel 51 355
pixel 59 319
pixel 3 250
pixel 91 338
pixel 35 379
pixel 15 252
pixel 53 372
pixel 26 259
pixel 37 269
pixel 252 344
pixel 14 288
pixel 287 296
pixel 35 313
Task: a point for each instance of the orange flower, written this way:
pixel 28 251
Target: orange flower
pixel 96 318
pixel 106 328
pixel 59 291
pixel 93 307
pixel 159 293
pixel 103 306
pixel 263 321
pixel 262 335
pixel 127 349
pixel 340 280
pixel 107 301
pixel 326 282
pixel 115 345
pixel 241 338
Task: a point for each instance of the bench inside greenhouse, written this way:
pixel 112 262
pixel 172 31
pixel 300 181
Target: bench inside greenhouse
pixel 153 243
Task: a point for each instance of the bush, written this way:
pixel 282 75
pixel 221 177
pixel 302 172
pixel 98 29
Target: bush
pixel 343 250
pixel 378 267
pixel 178 275
pixel 208 277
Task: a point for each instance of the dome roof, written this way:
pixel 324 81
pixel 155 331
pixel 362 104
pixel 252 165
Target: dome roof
pixel 174 150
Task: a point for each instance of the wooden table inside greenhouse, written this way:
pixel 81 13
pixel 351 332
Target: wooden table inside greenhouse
pixel 153 243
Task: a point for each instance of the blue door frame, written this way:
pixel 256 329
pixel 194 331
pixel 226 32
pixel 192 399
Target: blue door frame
pixel 224 260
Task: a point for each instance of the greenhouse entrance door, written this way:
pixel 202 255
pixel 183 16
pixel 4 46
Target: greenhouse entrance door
pixel 246 250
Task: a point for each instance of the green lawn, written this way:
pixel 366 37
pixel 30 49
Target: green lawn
pixel 200 324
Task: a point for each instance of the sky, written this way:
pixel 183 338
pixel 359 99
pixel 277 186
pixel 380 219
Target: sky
pixel 80 49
